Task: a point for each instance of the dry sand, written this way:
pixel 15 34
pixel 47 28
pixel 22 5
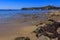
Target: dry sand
pixel 18 32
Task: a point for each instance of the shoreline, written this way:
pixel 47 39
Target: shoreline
pixel 10 29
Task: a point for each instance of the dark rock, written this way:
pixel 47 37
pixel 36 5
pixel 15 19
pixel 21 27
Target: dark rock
pixel 52 28
pixel 22 38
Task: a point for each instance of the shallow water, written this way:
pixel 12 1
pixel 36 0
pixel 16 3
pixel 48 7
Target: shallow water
pixel 10 15
pixel 14 18
pixel 12 21
pixel 7 13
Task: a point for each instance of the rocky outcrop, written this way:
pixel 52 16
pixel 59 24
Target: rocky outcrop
pixel 49 30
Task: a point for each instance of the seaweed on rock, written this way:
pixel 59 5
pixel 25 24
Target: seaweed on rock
pixel 51 28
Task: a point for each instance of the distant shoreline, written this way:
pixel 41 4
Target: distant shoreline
pixel 9 9
pixel 49 7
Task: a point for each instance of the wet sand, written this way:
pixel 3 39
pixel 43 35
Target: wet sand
pixel 14 27
pixel 10 28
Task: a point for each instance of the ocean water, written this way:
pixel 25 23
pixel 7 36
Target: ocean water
pixel 9 16
pixel 6 14
pixel 11 13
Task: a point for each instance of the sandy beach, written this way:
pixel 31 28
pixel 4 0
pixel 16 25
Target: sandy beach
pixel 10 29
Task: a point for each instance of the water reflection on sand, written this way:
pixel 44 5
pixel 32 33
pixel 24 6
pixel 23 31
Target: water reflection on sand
pixel 10 26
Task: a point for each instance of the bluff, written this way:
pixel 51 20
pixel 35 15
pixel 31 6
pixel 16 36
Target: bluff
pixel 49 7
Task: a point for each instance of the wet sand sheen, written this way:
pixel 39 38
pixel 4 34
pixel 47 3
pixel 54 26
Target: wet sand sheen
pixel 13 28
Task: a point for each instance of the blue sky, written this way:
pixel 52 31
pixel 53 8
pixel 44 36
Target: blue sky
pixel 17 4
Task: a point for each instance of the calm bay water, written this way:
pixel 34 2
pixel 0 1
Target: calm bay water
pixel 9 16
pixel 13 17
pixel 7 13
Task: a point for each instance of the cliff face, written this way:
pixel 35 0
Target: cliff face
pixel 42 8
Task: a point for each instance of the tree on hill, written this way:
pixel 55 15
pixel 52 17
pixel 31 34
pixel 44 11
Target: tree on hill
pixel 49 7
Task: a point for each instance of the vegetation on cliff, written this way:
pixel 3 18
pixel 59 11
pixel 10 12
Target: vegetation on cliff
pixel 49 7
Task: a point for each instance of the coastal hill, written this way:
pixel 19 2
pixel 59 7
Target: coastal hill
pixel 49 7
